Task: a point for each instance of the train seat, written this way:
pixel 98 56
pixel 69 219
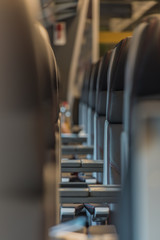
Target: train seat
pixel 48 92
pixel 100 111
pixel 92 102
pixel 114 121
pixel 114 110
pixel 22 142
pixel 140 199
pixel 84 100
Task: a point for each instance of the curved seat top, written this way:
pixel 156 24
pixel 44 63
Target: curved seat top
pixel 47 69
pixel 146 69
pixel 142 82
pixel 143 65
pixel 101 88
pixel 86 84
pixel 93 85
pixel 18 74
pixel 102 82
pixel 114 106
pixel 21 139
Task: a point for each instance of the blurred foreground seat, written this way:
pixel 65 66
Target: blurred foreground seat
pixel 27 209
pixel 21 138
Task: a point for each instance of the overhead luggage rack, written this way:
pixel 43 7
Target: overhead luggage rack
pixel 59 10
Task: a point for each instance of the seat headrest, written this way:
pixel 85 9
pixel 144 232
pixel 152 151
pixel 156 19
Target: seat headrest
pixel 146 67
pixel 54 71
pixel 20 112
pixel 86 84
pixel 101 88
pixel 116 72
pixel 102 79
pixel 45 64
pixel 47 69
pixel 116 81
pixel 18 89
pixel 93 84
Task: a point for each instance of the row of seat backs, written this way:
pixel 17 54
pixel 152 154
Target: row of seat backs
pixel 95 82
pixel 140 198
pixel 26 72
pixel 91 83
pixel 88 96
pixel 112 93
pixel 94 91
pixel 98 81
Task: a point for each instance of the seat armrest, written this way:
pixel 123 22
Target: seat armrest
pixel 74 192
pixel 73 185
pixel 70 163
pixel 73 138
pixel 76 150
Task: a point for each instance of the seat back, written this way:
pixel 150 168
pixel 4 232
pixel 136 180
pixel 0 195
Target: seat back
pixel 114 109
pixel 100 110
pixel 21 138
pixel 84 100
pixel 101 87
pixel 48 86
pixel 81 101
pixel 45 66
pixel 92 102
pixel 141 195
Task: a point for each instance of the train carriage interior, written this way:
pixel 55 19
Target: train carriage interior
pixel 79 119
